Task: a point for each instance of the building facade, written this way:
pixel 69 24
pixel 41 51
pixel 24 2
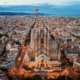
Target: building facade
pixel 43 51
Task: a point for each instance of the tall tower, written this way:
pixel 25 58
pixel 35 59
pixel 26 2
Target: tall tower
pixel 59 22
pixel 36 17
pixel 58 28
pixel 59 34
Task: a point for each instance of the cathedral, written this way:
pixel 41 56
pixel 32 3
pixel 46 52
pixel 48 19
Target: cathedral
pixel 43 51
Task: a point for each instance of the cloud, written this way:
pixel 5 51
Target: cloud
pixel 35 2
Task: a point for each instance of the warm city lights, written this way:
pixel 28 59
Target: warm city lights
pixel 39 46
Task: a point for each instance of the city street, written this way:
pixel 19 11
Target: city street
pixel 17 70
pixel 20 59
pixel 73 73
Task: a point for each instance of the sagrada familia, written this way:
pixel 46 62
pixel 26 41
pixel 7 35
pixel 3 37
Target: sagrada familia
pixel 43 52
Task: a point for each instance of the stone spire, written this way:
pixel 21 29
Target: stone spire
pixel 36 16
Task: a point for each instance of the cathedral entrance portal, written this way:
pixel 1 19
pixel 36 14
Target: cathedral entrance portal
pixel 42 65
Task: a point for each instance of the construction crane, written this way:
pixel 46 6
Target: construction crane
pixel 59 22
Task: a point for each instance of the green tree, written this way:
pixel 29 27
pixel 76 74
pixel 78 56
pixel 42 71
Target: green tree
pixel 61 77
pixel 78 78
pixel 36 77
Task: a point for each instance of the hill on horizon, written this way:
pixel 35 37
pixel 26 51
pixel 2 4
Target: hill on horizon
pixel 44 9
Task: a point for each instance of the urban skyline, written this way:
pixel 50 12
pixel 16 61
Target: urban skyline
pixel 42 43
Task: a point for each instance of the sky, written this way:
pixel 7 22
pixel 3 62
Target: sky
pixel 35 2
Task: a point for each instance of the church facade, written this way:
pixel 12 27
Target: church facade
pixel 43 51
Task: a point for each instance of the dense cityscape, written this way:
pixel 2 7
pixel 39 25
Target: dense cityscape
pixel 39 48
